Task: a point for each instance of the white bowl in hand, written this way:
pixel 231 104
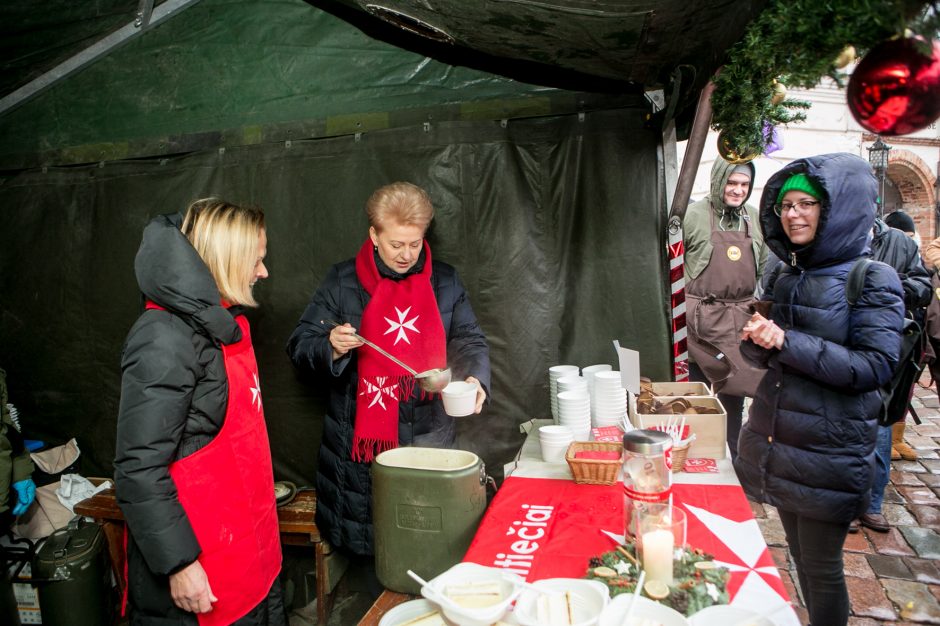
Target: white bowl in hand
pixel 460 398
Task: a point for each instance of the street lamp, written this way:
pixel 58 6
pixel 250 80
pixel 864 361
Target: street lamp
pixel 878 159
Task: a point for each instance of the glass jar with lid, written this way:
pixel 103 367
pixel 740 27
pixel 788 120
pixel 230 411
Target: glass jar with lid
pixel 647 478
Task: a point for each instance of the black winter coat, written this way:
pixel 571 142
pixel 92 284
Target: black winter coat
pixel 808 445
pixel 174 394
pixel 894 247
pixel 344 486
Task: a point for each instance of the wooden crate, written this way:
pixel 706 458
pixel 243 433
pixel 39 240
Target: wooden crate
pixel 710 429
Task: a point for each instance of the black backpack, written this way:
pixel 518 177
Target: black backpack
pixel 896 393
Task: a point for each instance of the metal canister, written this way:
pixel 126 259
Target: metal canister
pixel 426 506
pixel 74 579
pixel 646 474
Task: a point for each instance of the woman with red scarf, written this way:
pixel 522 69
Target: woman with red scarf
pixel 393 294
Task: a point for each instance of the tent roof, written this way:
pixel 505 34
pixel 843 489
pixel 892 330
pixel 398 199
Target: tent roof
pixel 205 74
pixel 636 41
pixel 622 41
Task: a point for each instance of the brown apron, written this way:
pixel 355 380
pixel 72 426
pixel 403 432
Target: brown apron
pixel 717 303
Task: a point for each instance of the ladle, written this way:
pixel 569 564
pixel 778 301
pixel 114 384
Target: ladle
pixel 432 380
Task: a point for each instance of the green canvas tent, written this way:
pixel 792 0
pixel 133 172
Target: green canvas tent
pixel 544 132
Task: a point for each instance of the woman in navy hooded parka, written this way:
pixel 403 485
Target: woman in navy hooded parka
pixel 808 445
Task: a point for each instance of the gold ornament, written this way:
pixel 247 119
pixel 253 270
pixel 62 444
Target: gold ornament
pixel 845 57
pixel 780 93
pixel 732 156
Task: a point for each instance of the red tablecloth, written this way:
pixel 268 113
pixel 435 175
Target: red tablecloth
pixel 547 528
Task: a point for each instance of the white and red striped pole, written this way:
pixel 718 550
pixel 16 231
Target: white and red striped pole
pixel 680 352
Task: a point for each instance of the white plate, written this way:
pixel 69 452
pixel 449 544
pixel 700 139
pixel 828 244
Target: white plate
pixel 726 615
pixel 645 608
pixel 407 611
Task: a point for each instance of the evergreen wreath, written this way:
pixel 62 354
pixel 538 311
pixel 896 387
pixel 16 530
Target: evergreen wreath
pixel 699 581
pixel 796 42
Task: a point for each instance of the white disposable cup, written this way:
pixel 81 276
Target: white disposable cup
pixel 557 371
pixel 557 434
pixel 460 398
pixel 554 452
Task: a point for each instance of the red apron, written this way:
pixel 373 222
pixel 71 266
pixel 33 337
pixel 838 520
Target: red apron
pixel 227 490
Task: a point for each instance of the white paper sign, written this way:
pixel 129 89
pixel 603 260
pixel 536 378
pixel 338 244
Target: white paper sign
pixel 629 368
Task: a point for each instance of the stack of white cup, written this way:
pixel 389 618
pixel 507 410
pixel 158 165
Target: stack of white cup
pixel 574 411
pixel 588 374
pixel 554 373
pixel 609 401
pixel 554 441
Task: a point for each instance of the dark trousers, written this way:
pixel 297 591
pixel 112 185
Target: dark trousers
pixel 816 548
pixel 734 406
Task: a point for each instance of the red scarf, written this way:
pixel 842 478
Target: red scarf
pixel 402 318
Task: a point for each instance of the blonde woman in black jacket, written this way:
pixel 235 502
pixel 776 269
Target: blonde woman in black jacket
pixel 193 466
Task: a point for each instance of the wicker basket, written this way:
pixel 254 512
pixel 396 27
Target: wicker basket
pixel 594 471
pixel 679 455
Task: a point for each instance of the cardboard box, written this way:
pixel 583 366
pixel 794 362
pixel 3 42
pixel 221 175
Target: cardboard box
pixel 681 390
pixel 710 429
pixel 27 600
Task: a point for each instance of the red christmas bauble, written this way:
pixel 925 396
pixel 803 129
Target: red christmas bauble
pixel 895 90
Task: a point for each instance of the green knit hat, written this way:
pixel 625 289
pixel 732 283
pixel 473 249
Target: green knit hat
pixel 800 182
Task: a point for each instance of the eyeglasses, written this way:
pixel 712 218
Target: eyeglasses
pixel 802 207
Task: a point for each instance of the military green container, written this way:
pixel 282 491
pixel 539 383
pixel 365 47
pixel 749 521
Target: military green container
pixel 426 506
pixel 73 578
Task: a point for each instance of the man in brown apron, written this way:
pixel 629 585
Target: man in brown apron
pixel 724 256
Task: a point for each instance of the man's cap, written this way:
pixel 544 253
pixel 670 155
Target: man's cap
pixel 800 182
pixel 901 221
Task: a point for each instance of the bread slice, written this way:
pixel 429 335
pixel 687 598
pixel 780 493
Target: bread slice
pixel 554 609
pixel 476 595
pixel 428 619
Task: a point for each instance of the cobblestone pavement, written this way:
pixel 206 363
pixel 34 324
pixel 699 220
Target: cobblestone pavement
pixel 893 578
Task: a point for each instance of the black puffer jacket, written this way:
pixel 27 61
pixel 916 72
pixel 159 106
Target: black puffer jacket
pixel 344 487
pixel 892 246
pixel 174 394
pixel 808 445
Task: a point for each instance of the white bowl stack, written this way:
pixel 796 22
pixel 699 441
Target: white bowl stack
pixel 554 373
pixel 609 400
pixel 554 441
pixel 574 411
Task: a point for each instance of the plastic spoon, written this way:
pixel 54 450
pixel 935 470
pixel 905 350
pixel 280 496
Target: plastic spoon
pixel 433 594
pixel 636 594
pixel 432 380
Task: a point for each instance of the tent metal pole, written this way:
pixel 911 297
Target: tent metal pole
pixel 693 153
pixel 675 240
pixel 144 20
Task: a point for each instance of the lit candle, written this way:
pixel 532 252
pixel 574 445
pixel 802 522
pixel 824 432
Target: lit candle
pixel 657 555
